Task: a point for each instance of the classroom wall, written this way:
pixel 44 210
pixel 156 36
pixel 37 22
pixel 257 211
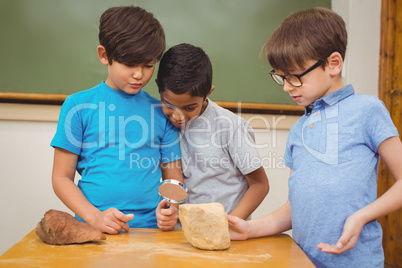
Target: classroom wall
pixel 26 130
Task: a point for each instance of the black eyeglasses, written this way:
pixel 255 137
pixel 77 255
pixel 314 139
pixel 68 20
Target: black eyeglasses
pixel 294 80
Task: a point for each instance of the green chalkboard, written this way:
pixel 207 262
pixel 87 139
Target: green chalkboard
pixel 49 46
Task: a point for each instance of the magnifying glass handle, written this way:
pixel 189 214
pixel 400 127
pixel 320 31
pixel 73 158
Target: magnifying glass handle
pixel 168 205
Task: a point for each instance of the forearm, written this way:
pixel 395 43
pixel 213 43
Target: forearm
pixel 276 222
pixel 390 201
pixel 172 171
pixel 390 151
pixel 258 188
pixel 69 193
pixel 250 201
pixel 64 167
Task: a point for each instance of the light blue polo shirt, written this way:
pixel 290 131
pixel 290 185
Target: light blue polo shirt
pixel 332 151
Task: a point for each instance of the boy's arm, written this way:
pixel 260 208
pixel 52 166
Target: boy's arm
pixel 255 194
pixel 276 222
pixel 172 171
pixel 390 151
pixel 167 218
pixel 110 221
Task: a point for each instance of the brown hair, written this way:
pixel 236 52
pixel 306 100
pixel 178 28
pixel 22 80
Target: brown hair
pixel 312 34
pixel 131 35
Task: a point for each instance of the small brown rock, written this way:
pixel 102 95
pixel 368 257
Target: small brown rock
pixel 205 226
pixel 60 228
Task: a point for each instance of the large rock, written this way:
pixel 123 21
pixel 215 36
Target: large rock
pixel 60 228
pixel 205 226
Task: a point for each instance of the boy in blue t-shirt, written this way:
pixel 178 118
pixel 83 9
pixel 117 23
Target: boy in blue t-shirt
pixel 116 135
pixel 333 150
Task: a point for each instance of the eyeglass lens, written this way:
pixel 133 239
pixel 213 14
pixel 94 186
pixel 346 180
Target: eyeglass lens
pixel 293 80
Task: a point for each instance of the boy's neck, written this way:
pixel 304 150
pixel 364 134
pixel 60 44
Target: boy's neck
pixel 335 86
pixel 338 84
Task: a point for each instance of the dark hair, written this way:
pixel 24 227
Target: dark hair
pixel 312 34
pixel 185 68
pixel 131 35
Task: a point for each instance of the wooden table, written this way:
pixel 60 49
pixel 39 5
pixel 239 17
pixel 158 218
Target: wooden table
pixel 155 248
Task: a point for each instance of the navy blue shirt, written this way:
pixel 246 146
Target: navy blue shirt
pixel 332 151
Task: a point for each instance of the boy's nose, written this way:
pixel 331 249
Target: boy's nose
pixel 287 87
pixel 177 116
pixel 137 73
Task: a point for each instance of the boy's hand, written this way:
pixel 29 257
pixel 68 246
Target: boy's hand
pixel 350 234
pixel 238 228
pixel 112 221
pixel 166 217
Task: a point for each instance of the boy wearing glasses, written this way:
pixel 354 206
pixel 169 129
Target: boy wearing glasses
pixel 333 150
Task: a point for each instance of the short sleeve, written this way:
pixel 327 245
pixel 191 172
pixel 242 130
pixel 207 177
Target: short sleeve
pixel 69 134
pixel 170 144
pixel 287 158
pixel 242 149
pixel 378 124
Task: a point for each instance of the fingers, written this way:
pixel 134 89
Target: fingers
pixel 166 226
pixel 238 228
pixel 166 218
pixel 111 229
pixel 341 246
pixel 121 216
pixel 123 225
pixel 107 225
pixel 232 220
pixel 122 219
pixel 334 249
pixel 161 205
pixel 112 221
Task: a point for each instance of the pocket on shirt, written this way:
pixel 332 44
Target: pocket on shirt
pixel 327 143
pixel 345 138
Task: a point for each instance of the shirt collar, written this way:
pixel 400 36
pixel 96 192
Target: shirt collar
pixel 331 98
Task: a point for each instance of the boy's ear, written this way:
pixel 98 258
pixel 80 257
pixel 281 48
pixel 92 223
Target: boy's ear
pixel 210 91
pixel 335 63
pixel 102 55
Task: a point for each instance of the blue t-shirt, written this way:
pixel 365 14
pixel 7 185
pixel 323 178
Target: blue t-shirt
pixel 332 151
pixel 120 139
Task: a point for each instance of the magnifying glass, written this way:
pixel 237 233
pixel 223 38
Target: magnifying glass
pixel 173 191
